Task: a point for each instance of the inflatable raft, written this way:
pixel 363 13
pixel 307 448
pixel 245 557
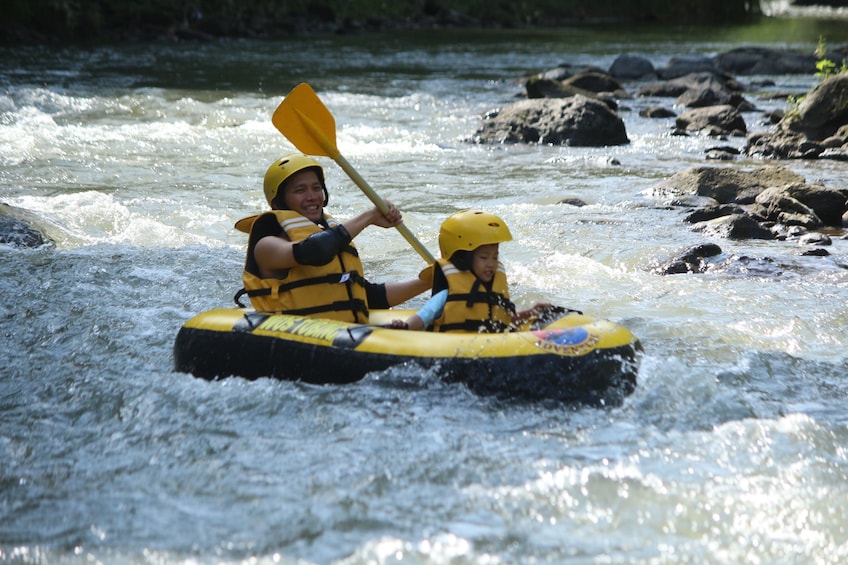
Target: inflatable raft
pixel 571 358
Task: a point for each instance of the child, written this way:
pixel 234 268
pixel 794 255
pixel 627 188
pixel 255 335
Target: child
pixel 470 290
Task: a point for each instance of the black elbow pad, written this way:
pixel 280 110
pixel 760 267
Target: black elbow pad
pixel 320 247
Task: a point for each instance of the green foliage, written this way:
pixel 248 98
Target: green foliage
pixel 90 19
pixel 824 66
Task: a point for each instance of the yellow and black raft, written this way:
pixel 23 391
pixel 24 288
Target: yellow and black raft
pixel 568 358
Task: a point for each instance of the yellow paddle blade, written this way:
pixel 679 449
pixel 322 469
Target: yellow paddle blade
pixel 310 126
pixel 306 122
pixel 245 224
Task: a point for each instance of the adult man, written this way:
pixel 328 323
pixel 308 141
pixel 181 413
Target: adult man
pixel 300 260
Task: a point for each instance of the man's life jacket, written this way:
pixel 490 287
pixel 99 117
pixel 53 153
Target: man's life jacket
pixel 335 291
pixel 472 306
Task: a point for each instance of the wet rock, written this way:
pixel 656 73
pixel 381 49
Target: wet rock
pixel 692 81
pixel 557 73
pixel 778 205
pixel 690 201
pixel 765 61
pixel 747 266
pixel 656 112
pixel 773 198
pixel 572 201
pixel 833 142
pixel 812 130
pixel 576 121
pixel 545 88
pixel 783 232
pixel 823 111
pixel 632 67
pixel 691 260
pixel 698 90
pixel 817 252
pixel 827 203
pixel 713 212
pixel 815 238
pixel 840 154
pixel 681 65
pixel 16 231
pixel 714 120
pixel 723 153
pixel 540 87
pixel 597 82
pixel 710 97
pixel 724 184
pixel 774 117
pixel 781 145
pixel 591 84
pixel 735 226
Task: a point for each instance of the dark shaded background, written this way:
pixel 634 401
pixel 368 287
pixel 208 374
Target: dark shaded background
pixel 39 21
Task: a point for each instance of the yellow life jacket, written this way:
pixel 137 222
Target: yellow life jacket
pixel 335 291
pixel 471 306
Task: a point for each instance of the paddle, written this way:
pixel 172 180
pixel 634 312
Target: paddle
pixel 310 126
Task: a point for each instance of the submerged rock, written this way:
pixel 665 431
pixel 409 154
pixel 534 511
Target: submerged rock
pixel 16 228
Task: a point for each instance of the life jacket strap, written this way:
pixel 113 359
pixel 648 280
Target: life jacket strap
pixel 237 298
pixel 352 305
pixel 334 278
pixel 490 298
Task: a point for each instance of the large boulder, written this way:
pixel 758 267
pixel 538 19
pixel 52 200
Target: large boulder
pixel 776 205
pixel 697 90
pixel 822 111
pixel 589 83
pixel 597 82
pixel 632 67
pixel 713 120
pixel 724 184
pixel 782 145
pixel 816 129
pixel 825 205
pixel 734 226
pixel 577 121
pixel 766 203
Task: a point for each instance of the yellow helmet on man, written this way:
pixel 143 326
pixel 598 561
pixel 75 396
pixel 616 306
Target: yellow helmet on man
pixel 469 229
pixel 283 168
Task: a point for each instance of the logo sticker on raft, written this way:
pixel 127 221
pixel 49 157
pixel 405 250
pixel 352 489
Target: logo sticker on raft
pixel 332 333
pixel 566 341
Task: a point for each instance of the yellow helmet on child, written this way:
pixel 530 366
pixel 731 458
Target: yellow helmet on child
pixel 281 169
pixel 469 229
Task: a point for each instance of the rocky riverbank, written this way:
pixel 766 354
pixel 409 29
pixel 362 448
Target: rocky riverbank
pixel 580 107
pixel 707 96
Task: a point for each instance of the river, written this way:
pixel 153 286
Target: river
pixel 138 159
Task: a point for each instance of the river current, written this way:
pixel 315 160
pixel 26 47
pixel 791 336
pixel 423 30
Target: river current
pixel 137 160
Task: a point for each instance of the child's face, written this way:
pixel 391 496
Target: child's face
pixel 484 262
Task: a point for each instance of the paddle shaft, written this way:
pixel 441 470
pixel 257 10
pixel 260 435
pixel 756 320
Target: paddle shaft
pixel 333 152
pixel 381 205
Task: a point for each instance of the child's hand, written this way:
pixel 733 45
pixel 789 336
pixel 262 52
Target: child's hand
pixel 541 308
pixel 399 325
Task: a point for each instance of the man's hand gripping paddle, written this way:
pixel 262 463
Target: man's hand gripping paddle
pixel 310 127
